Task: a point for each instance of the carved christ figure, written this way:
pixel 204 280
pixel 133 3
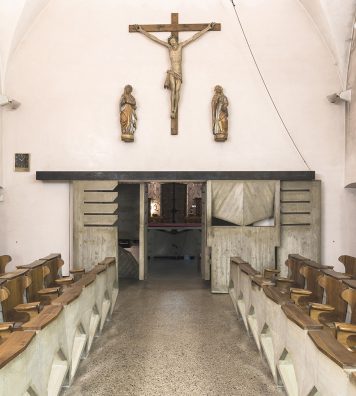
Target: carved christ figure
pixel 174 77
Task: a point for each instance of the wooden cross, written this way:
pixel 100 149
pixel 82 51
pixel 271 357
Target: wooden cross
pixel 174 28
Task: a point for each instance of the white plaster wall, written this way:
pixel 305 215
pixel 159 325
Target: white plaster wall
pixel 69 71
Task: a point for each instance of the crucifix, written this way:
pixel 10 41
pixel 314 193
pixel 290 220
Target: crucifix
pixel 174 78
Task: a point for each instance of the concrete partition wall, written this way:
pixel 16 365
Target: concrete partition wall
pixel 17 377
pixel 51 357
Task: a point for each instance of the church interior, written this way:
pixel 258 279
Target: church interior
pixel 177 197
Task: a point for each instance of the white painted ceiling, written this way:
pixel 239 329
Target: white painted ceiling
pixel 333 18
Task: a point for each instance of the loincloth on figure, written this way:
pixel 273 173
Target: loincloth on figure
pixel 176 76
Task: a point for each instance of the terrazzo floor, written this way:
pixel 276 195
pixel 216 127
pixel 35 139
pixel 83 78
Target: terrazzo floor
pixel 170 336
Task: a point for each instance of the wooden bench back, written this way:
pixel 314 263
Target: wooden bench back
pixel 16 286
pixel 37 271
pixel 294 267
pixel 54 264
pixel 333 289
pixel 349 295
pixel 349 264
pixel 4 260
pixel 311 276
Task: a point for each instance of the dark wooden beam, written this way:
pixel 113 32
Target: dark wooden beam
pixel 174 175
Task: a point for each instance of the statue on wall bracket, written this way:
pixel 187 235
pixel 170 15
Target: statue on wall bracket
pixel 220 114
pixel 128 118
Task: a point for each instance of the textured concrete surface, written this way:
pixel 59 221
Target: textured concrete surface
pixel 170 336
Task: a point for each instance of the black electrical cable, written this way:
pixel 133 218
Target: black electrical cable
pixel 266 87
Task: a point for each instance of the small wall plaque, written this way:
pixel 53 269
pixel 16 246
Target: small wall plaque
pixel 22 162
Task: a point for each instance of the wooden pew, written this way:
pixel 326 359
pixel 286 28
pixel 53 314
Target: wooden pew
pixel 14 308
pixel 295 262
pixel 334 309
pixel 47 280
pixel 38 290
pixel 326 343
pixel 6 328
pixel 280 330
pixel 346 332
pixel 4 261
pixel 55 263
pixel 64 331
pixel 312 291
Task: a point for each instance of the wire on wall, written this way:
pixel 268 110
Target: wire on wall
pixel 266 86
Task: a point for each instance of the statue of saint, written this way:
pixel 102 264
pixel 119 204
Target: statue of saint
pixel 128 119
pixel 220 114
pixel 174 77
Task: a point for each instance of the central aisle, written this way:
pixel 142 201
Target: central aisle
pixel 170 336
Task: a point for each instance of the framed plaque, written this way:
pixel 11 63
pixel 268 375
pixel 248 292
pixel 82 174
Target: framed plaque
pixel 22 162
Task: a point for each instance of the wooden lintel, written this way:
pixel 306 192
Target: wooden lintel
pixel 174 175
pixel 185 27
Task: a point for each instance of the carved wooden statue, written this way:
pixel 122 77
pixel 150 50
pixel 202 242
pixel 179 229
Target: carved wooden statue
pixel 220 115
pixel 174 77
pixel 128 118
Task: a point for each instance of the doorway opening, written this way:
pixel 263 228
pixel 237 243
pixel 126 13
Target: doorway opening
pixel 174 229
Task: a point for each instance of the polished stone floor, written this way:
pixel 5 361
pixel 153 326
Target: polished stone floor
pixel 170 336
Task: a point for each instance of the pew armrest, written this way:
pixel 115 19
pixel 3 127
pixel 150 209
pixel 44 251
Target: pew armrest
pixel 346 327
pixel 50 290
pixel 344 332
pixel 6 327
pixel 297 295
pixel 33 306
pixel 66 280
pixel 32 309
pixel 77 271
pixel 316 309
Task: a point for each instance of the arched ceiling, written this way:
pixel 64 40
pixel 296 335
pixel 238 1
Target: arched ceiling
pixel 16 18
pixel 334 20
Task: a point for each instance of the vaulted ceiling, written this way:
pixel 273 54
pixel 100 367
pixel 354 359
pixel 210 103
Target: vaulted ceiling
pixel 16 18
pixel 333 18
